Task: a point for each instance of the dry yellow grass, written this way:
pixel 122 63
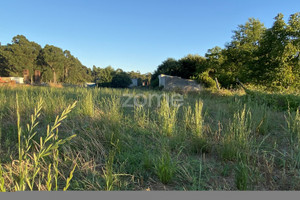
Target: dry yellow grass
pixel 56 85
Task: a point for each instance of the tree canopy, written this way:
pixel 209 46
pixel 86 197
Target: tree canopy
pixel 255 55
pixel 55 64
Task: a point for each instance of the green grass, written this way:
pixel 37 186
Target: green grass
pixel 30 169
pixel 241 176
pixel 238 139
pixel 165 168
pixel 217 140
pixel 167 116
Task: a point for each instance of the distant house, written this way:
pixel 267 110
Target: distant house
pixel 175 82
pixel 134 82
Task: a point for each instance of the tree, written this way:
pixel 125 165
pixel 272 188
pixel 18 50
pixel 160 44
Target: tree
pixel 103 77
pixel 278 63
pixel 20 55
pixel 4 64
pixel 214 62
pixel 53 57
pixel 238 58
pixel 191 64
pixel 121 80
pixel 74 72
pixel 240 55
pixel 293 31
pixel 69 63
pixel 54 63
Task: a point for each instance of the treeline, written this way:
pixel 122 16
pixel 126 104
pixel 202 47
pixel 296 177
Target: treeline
pixel 256 55
pixel 57 65
pixel 108 77
pixel 54 64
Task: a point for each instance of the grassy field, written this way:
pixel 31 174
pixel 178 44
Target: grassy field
pixel 85 139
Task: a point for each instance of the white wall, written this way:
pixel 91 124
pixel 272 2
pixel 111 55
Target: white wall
pixel 162 80
pixel 18 80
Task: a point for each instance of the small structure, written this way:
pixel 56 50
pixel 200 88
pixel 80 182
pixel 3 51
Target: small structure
pixel 175 82
pixel 90 85
pixel 134 83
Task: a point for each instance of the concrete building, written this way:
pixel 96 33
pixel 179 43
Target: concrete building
pixel 175 82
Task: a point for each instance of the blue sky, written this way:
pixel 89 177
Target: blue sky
pixel 133 34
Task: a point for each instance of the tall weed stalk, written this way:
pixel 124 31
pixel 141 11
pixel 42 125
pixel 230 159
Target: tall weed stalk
pixel 167 117
pixel 31 165
pixel 238 140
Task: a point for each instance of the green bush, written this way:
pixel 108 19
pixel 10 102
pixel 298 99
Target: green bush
pixel 121 80
pixel 205 79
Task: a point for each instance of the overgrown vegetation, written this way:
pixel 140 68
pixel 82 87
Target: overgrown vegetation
pixel 58 66
pixel 30 171
pixel 215 141
pixel 256 55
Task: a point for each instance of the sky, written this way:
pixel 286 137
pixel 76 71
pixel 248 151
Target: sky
pixel 134 34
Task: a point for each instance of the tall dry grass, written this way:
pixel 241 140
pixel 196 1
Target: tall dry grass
pixel 212 142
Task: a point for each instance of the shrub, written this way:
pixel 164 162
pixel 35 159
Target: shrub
pixel 206 80
pixel 121 80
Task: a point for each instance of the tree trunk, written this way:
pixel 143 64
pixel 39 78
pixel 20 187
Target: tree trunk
pixel 66 74
pixel 217 83
pixel 54 77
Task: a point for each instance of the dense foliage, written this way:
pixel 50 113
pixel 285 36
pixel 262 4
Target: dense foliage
pixel 255 55
pixel 121 80
pixel 57 65
pixel 108 77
